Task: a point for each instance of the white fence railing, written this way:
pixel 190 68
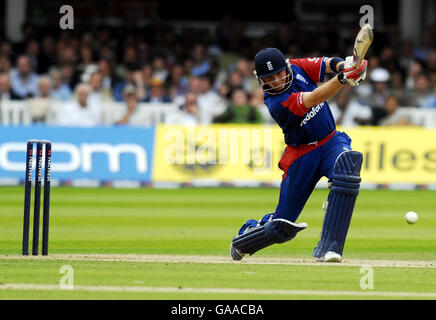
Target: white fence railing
pixel 14 113
pixel 420 117
pixel 149 114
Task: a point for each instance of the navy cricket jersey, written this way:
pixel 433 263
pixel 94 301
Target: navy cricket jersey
pixel 299 124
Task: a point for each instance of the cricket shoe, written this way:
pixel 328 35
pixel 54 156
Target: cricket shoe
pixel 235 253
pixel 330 256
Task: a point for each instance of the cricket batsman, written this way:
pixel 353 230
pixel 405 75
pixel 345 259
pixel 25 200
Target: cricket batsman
pixel 314 149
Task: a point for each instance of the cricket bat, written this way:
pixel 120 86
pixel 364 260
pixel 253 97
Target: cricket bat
pixel 361 44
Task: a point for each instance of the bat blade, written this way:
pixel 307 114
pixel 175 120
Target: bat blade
pixel 361 44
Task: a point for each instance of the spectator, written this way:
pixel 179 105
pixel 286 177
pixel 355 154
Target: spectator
pixel 432 77
pixel 160 71
pixel 6 92
pixel 188 114
pixel 28 31
pixel 388 59
pixel 365 89
pixel 133 77
pixel 194 85
pixel 47 57
pixel 98 94
pixel 178 83
pixel 130 55
pixel 256 100
pixel 430 102
pixel 87 65
pixel 380 82
pixel 246 69
pixel 69 75
pixel 398 89
pixel 348 112
pixel 59 90
pixel 5 63
pixel 24 80
pixel 106 68
pixel 431 61
pixel 106 53
pixel 421 92
pixel 32 51
pixel 147 76
pixel 240 111
pixel 392 116
pixel 422 51
pixel 187 66
pixel 134 114
pixel 39 106
pixel 172 55
pixel 415 69
pixel 157 92
pixel 80 112
pixel 67 55
pixel 143 52
pixel 200 65
pixel 234 82
pixel 6 49
pixel 210 103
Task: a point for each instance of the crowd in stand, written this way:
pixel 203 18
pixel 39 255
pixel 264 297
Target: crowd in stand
pixel 208 75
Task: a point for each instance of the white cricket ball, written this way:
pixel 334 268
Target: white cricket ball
pixel 411 217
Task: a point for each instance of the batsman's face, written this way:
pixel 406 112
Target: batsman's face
pixel 276 81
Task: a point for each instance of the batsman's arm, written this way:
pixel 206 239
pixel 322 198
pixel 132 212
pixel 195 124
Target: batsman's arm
pixel 323 92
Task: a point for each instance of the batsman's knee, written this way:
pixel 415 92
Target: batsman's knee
pixel 346 173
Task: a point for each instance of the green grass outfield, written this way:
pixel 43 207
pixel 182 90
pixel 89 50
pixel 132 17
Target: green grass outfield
pixel 174 244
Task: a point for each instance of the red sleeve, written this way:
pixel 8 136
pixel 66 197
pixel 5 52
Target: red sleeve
pixel 314 67
pixel 295 104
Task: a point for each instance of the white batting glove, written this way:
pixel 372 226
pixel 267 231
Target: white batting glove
pixel 352 74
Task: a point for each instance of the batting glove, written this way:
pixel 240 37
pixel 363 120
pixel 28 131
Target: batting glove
pixel 352 74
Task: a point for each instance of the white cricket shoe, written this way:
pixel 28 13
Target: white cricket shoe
pixel 330 256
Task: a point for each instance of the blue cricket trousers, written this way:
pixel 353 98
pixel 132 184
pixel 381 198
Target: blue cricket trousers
pixel 301 176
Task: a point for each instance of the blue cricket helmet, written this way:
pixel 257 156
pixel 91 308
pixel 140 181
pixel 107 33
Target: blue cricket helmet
pixel 270 61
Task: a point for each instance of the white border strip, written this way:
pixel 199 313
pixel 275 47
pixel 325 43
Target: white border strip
pixel 52 287
pixel 160 258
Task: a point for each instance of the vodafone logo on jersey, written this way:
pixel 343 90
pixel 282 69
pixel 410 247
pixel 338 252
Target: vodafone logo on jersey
pixel 312 113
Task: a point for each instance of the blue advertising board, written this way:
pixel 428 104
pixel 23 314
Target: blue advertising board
pixel 99 153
